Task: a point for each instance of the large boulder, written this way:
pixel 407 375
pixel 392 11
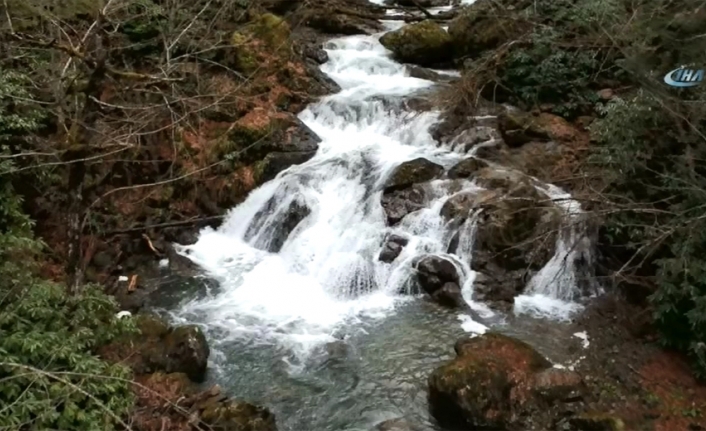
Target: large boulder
pixel 518 231
pixel 424 43
pixel 439 278
pixel 483 26
pixel 276 162
pixel 162 348
pixel 515 235
pixel 409 173
pixel 281 222
pixel 497 382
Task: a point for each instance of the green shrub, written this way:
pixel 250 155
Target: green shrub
pixel 50 377
pixel 653 154
pixel 541 73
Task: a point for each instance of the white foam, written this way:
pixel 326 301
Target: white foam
pixel 471 326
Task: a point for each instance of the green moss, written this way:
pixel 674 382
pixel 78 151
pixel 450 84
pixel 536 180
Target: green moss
pixel 424 43
pixel 245 55
pixel 151 325
pixel 597 422
pixel 272 29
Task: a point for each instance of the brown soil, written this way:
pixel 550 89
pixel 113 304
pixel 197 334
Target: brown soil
pixel 631 377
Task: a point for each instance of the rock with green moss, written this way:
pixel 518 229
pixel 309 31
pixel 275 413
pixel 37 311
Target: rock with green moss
pixel 593 422
pixel 424 43
pixel 473 391
pixel 231 415
pixel 483 26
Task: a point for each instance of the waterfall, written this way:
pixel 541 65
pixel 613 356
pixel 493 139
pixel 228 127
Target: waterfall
pixel 552 292
pixel 297 286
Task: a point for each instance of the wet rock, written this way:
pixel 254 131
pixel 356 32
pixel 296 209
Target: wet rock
pixel 187 352
pixel 318 54
pixel 399 424
pixel 412 172
pixel 519 230
pixel 234 415
pixel 498 291
pixel 392 248
pixel 178 263
pixel 428 74
pixel 160 347
pixel 439 278
pixel 281 221
pixel 274 163
pixel 449 296
pixel 483 26
pixel 483 387
pixel 467 167
pixel 424 43
pixel 400 203
pixel 459 206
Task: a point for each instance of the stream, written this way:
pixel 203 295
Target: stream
pixel 315 327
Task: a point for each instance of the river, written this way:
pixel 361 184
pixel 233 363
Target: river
pixel 318 329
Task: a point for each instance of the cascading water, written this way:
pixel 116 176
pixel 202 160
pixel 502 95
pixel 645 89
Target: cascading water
pixel 285 294
pixel 326 271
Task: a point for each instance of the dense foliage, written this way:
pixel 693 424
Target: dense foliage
pixel 50 377
pixel 650 145
pixel 651 149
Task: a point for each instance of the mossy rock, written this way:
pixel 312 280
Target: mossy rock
pixel 596 422
pixel 237 416
pixel 474 390
pixel 151 325
pixel 424 43
pixel 484 26
pixel 272 29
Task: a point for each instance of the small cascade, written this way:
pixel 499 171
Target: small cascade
pixel 554 290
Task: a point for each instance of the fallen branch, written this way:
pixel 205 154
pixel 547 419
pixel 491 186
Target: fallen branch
pixel 165 225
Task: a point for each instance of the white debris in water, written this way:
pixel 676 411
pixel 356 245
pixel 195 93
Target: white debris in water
pixel 122 278
pixel 123 314
pixel 584 337
pixel 164 263
pixel 471 326
pixel 571 366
